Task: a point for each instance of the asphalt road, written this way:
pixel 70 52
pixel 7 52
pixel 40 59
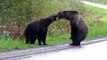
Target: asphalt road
pixel 96 51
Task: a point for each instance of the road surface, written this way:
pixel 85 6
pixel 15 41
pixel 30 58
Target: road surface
pixel 96 51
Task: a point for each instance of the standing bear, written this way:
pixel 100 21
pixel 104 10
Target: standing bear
pixel 78 26
pixel 38 29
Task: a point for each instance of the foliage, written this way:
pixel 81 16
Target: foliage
pixel 97 22
pixel 15 11
pixel 22 11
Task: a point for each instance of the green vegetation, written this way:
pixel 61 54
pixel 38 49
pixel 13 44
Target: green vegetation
pixel 58 33
pixel 7 44
pixel 99 1
pixel 97 21
pixel 15 11
pixel 10 44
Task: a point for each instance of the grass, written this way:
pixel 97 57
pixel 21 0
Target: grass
pixel 97 21
pixel 65 38
pixel 97 31
pixel 10 44
pixel 7 44
pixel 99 1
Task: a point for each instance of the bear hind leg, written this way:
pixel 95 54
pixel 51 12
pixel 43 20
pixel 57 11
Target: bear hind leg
pixel 75 42
pixel 39 39
pixel 28 40
pixel 33 40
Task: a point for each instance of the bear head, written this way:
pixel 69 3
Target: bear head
pixel 54 17
pixel 66 14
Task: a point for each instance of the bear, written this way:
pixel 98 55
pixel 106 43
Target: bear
pixel 37 29
pixel 79 29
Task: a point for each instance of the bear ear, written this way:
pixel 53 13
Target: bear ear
pixel 64 11
pixel 59 13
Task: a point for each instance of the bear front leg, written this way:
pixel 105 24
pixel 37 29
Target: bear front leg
pixel 44 38
pixel 39 39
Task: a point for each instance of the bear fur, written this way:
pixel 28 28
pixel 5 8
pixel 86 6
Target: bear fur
pixel 37 29
pixel 79 29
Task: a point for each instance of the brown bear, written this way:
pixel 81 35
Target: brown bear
pixel 78 26
pixel 38 29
